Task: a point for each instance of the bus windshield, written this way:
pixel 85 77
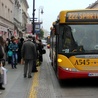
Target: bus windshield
pixel 79 38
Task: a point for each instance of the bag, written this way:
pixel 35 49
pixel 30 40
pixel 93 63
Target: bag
pixel 38 63
pixel 22 62
pixel 4 75
pixel 10 53
pixel 43 51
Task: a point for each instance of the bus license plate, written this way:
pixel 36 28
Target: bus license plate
pixel 93 74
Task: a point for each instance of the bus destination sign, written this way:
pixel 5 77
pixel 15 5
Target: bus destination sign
pixel 82 16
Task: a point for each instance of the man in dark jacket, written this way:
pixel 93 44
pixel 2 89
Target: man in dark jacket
pixel 1 57
pixel 28 54
pixel 34 67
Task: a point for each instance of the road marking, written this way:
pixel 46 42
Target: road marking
pixel 33 91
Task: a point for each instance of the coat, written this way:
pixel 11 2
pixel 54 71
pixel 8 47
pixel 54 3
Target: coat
pixel 1 53
pixel 28 50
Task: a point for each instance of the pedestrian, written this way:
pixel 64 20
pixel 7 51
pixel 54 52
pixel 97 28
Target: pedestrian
pixel 2 55
pixel 3 44
pixel 34 67
pixel 20 43
pixel 28 54
pixel 13 46
pixel 8 58
pixel 40 49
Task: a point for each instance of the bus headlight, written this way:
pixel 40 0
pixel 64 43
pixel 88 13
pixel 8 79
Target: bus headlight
pixel 59 60
pixel 71 69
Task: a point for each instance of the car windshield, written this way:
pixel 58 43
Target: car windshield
pixel 79 38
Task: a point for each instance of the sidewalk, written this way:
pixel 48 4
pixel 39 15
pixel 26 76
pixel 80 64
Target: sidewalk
pixel 17 86
pixel 39 86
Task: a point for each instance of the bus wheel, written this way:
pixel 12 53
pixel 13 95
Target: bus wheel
pixel 60 81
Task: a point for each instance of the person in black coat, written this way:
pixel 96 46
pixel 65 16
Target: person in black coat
pixel 19 50
pixel 40 48
pixel 28 54
pixel 34 67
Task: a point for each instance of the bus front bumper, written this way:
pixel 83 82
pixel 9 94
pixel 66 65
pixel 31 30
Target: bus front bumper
pixel 65 74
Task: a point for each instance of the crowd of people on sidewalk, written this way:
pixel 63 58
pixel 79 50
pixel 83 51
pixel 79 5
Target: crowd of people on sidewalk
pixel 15 51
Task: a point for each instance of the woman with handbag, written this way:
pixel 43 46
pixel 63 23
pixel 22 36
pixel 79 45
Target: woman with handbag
pixel 13 47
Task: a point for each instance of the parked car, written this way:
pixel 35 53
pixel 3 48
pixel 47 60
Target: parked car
pixel 44 42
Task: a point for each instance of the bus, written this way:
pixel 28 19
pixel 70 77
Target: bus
pixel 74 44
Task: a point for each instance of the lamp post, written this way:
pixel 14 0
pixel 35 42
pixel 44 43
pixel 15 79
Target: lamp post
pixel 33 23
pixel 40 11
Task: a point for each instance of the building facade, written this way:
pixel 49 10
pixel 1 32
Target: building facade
pixel 93 5
pixel 24 6
pixel 17 18
pixel 13 18
pixel 6 18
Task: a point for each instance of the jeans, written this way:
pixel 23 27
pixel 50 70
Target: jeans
pixel 14 60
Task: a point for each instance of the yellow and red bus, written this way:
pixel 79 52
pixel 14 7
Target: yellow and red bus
pixel 74 44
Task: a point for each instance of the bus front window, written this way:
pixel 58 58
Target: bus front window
pixel 69 43
pixel 79 38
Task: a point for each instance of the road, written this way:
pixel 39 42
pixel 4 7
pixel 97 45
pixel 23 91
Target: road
pixel 44 84
pixel 74 88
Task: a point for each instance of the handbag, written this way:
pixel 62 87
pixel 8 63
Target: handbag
pixel 10 53
pixel 22 62
pixel 43 51
pixel 4 75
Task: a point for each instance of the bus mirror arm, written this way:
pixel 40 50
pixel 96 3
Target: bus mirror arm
pixel 56 29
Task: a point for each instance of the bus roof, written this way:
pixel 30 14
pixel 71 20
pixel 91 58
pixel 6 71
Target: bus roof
pixel 78 16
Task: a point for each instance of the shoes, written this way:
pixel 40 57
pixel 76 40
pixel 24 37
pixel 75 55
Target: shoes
pixel 35 70
pixel 2 88
pixel 15 67
pixel 29 76
pixel 25 76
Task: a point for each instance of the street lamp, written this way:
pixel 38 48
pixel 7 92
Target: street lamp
pixel 40 11
pixel 33 24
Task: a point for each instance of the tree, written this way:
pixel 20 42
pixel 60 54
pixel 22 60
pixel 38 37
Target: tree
pixel 41 33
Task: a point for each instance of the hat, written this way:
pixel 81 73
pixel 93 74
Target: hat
pixel 30 36
pixel 12 37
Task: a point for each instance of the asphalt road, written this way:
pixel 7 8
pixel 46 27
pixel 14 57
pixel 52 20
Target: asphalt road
pixel 44 84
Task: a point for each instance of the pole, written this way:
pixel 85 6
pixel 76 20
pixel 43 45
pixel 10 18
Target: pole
pixel 33 24
pixel 39 15
pixel 40 11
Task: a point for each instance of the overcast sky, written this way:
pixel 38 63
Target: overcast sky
pixel 52 8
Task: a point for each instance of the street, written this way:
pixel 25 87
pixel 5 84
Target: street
pixel 44 84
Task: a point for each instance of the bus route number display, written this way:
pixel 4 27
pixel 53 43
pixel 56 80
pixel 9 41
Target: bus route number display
pixel 82 16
